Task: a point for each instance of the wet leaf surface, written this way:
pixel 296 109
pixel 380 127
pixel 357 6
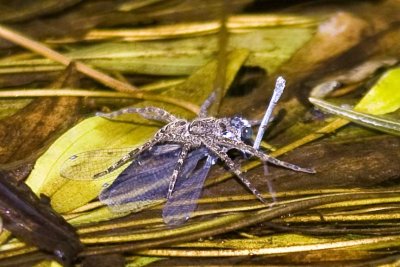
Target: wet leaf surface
pixel 380 123
pixel 384 96
pixel 346 213
pixel 268 47
pixel 24 134
pixel 77 21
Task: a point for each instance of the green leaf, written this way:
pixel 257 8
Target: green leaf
pixel 384 96
pixel 370 121
pixel 98 133
pixel 96 215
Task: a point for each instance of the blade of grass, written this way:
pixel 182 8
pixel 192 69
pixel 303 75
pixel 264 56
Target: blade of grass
pixel 228 223
pixel 371 121
pixel 359 243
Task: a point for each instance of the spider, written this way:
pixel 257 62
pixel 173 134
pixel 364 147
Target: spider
pixel 177 149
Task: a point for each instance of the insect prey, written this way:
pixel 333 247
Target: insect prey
pixel 175 162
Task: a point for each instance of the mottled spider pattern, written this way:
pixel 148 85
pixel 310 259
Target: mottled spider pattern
pixel 175 162
pixel 218 135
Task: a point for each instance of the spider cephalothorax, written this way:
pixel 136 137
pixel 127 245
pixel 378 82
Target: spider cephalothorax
pixel 235 128
pixel 240 127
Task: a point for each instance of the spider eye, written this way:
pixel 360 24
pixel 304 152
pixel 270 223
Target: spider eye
pixel 247 132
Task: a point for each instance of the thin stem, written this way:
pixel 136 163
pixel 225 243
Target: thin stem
pixel 279 87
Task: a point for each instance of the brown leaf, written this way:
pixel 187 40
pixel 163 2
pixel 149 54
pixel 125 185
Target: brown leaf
pixel 27 132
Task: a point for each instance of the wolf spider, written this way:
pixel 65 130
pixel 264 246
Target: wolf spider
pixel 218 135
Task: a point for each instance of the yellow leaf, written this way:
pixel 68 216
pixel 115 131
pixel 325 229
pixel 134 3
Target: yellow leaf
pixel 384 96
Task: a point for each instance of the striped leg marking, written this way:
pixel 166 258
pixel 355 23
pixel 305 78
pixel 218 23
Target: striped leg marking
pixel 206 105
pixel 151 113
pixel 131 155
pixel 236 170
pixel 264 157
pixel 178 168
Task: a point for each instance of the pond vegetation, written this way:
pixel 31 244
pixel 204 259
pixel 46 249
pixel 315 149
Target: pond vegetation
pixel 62 61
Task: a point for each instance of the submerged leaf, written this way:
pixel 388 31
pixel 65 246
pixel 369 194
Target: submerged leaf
pixel 268 47
pixel 99 214
pixel 371 121
pixel 25 133
pixel 139 261
pixel 99 133
pixel 384 96
pixel 8 108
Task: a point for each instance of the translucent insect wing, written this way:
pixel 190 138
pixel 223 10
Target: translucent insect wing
pixel 84 166
pixel 147 162
pixel 146 180
pixel 188 188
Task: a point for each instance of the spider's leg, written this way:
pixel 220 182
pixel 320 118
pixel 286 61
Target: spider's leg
pixel 178 168
pixel 239 145
pixel 151 113
pixel 207 103
pixel 131 155
pixel 235 169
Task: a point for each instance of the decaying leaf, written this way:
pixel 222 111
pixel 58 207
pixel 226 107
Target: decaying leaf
pixel 24 134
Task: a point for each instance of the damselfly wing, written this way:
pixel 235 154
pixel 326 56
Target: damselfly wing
pixel 85 165
pixel 145 181
pixel 188 188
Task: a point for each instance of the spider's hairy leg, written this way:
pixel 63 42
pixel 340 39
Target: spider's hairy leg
pixel 233 168
pixel 207 103
pixel 178 168
pixel 131 155
pixel 264 157
pixel 151 113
